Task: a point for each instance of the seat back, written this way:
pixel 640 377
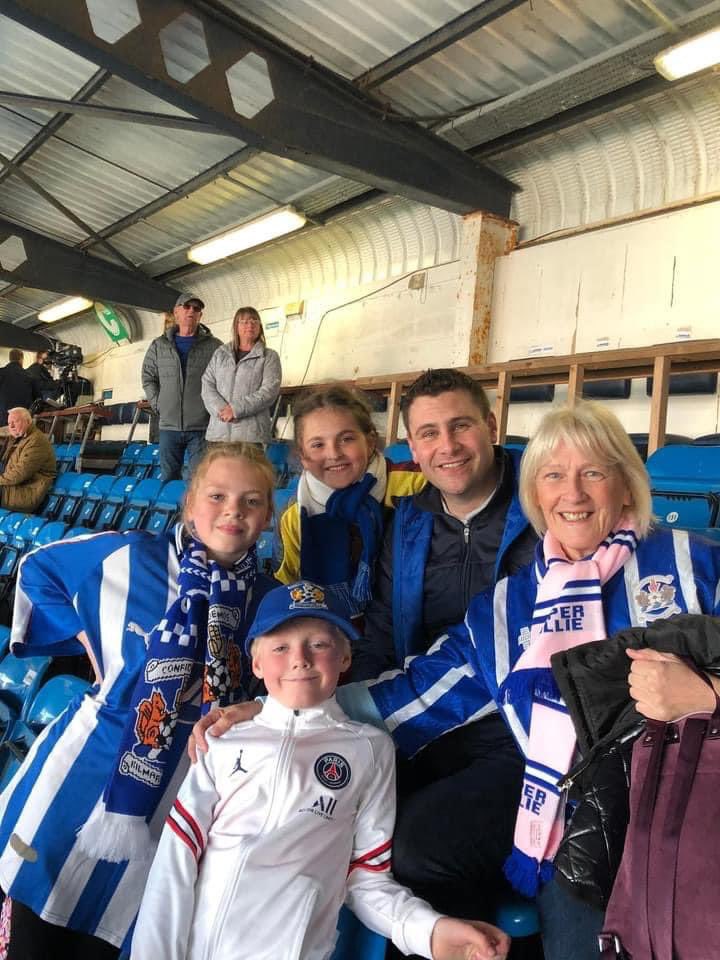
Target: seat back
pixel 163 513
pixel 113 503
pixel 64 482
pixel 52 699
pixel 13 750
pixel 50 533
pixel 685 485
pixel 20 679
pixel 138 504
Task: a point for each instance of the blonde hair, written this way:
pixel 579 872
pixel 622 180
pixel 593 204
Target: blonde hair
pixel 230 451
pixel 592 428
pixel 251 312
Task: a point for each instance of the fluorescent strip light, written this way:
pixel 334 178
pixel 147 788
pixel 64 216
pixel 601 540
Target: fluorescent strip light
pixel 268 227
pixel 66 308
pixel 688 57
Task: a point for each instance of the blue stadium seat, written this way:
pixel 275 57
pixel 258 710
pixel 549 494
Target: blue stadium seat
pixel 93 497
pixel 146 462
pixel 52 699
pixel 20 536
pixel 138 504
pixel 73 532
pixel 70 507
pixel 164 512
pixel 4 640
pixel 517 916
pixel 66 457
pixel 685 484
pixel 49 533
pixel 279 453
pixel 64 482
pixel 398 452
pixel 14 748
pixel 20 679
pixel 9 525
pixel 114 502
pixel 355 941
pixel 128 459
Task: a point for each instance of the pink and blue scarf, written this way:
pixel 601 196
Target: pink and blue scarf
pixel 568 611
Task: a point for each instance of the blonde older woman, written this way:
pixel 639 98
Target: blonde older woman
pixel 600 567
pixel 241 383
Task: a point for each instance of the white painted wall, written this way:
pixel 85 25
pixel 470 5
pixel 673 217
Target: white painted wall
pixel 637 283
pixel 646 282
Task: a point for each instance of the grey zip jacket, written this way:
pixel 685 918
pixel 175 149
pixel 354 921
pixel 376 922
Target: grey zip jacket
pixel 177 400
pixel 250 385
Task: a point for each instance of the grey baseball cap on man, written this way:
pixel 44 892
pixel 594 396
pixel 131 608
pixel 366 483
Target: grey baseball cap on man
pixel 186 298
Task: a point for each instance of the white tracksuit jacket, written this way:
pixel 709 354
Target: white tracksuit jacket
pixel 285 817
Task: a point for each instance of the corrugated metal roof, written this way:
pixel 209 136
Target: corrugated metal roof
pixel 15 132
pixel 163 155
pixel 245 192
pixel 663 150
pixel 352 35
pixel 532 43
pixel 32 64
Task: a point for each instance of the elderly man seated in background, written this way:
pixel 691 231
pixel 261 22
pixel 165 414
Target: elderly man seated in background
pixel 29 465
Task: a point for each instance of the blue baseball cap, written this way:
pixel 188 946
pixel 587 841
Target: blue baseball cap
pixel 301 599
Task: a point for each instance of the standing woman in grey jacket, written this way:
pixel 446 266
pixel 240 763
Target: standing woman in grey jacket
pixel 241 383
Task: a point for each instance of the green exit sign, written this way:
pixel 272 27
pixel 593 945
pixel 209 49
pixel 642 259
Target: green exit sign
pixel 111 322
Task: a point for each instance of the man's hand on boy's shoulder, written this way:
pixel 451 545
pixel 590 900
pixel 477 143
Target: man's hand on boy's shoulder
pixel 217 722
pixel 468 940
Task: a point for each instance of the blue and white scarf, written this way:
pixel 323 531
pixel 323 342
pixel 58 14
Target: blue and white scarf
pixel 326 520
pixel 193 663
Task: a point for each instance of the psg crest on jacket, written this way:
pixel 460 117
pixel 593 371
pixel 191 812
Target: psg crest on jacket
pixel 333 771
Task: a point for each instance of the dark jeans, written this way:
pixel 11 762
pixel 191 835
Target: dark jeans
pixel 32 938
pixel 570 927
pixel 172 450
pixel 456 816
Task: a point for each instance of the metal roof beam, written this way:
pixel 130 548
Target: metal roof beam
pixel 95 82
pixel 27 257
pixel 15 170
pixel 245 84
pixel 13 99
pixel 467 23
pixel 177 193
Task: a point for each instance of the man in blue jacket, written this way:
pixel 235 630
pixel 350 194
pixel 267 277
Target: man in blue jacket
pixel 455 538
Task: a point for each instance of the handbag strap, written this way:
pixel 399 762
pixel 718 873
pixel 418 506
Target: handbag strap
pixel 662 876
pixel 654 738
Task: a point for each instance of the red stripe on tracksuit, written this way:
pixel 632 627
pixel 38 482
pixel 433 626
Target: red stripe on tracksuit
pixel 363 861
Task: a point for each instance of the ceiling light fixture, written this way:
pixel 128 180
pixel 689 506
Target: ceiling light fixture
pixel 268 227
pixel 690 56
pixel 65 308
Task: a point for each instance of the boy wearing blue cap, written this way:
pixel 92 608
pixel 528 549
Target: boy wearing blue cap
pixel 287 816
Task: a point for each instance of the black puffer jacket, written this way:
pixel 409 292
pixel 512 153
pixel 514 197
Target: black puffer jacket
pixel 593 679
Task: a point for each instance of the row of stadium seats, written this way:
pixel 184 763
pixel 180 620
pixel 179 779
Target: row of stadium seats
pixel 29 701
pixel 106 502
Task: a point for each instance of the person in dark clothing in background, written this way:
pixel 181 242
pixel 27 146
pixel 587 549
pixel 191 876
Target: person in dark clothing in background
pixel 39 372
pixel 17 389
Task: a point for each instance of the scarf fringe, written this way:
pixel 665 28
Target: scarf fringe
pixel 115 837
pixel 361 588
pixel 526 874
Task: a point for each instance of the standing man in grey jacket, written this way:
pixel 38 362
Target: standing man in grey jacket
pixel 172 379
